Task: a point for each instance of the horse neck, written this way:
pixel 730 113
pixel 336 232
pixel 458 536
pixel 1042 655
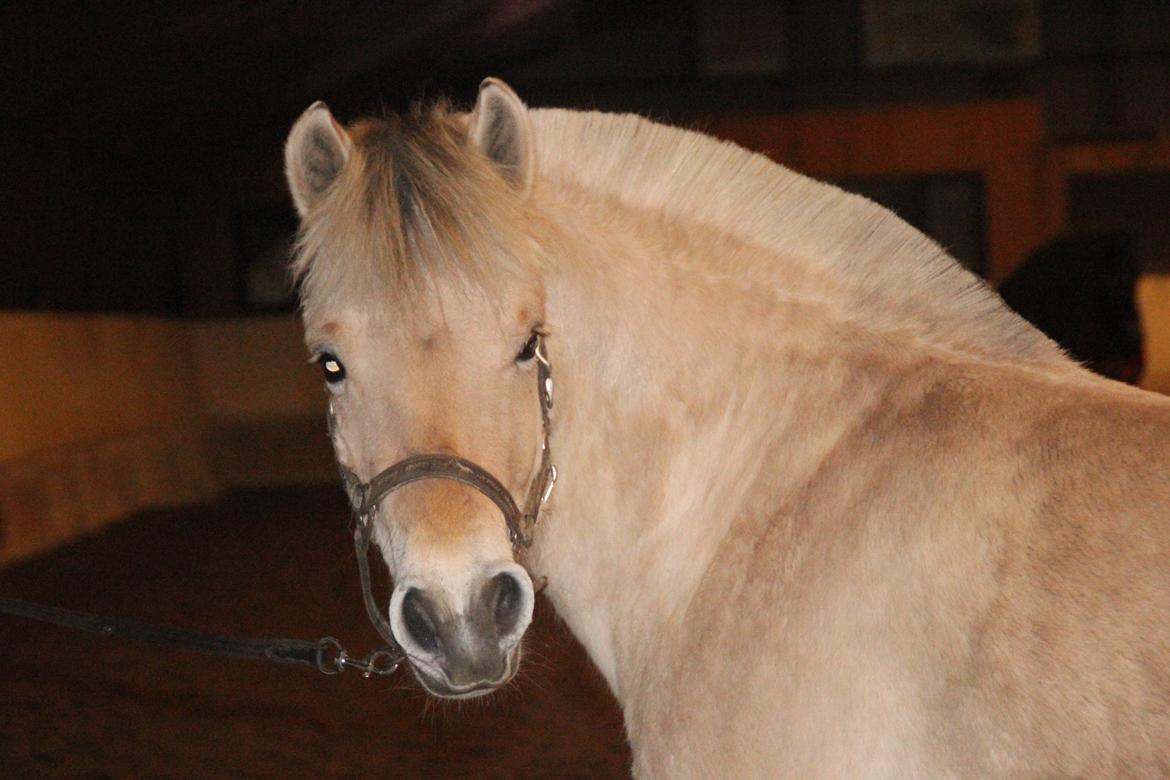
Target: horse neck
pixel 670 423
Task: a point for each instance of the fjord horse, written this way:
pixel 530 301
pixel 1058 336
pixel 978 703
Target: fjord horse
pixel 825 507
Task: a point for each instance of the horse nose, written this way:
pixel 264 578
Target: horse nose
pixel 420 621
pixel 464 643
pixel 503 599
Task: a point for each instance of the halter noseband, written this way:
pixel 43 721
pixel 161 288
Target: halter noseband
pixel 366 496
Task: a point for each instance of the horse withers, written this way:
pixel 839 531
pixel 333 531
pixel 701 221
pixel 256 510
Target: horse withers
pixel 826 507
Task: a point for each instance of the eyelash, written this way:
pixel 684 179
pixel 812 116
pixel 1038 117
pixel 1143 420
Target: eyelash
pixel 528 351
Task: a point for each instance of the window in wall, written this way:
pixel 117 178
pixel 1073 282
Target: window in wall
pixel 956 32
pixel 1107 70
pixel 947 208
pixel 264 238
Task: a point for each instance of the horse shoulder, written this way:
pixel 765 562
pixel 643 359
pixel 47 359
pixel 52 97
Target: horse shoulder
pixel 1069 662
pixel 973 581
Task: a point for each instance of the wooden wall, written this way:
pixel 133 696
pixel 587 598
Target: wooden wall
pixel 264 402
pixel 108 414
pixel 101 417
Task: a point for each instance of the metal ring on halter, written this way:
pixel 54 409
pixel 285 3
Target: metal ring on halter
pixel 329 655
pixel 332 659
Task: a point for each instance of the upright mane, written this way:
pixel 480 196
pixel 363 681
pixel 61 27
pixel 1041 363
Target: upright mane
pixel 900 278
pixel 414 200
pixel 418 192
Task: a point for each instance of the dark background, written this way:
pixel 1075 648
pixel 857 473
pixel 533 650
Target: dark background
pixel 141 140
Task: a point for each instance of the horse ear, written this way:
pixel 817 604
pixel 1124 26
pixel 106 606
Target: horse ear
pixel 314 155
pixel 499 127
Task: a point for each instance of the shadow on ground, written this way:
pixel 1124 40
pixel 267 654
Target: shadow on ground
pixel 270 564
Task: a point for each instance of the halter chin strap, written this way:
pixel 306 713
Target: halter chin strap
pixel 366 496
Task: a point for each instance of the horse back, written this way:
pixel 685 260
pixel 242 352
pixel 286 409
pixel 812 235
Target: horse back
pixel 1069 660
pixel 974 582
pixel 1032 519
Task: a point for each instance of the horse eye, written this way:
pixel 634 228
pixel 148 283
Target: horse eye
pixel 529 350
pixel 332 368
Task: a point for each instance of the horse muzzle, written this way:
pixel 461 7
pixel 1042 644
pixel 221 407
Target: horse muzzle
pixel 462 645
pixel 459 644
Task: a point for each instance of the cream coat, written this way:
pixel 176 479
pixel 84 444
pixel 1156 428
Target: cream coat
pixel 826 508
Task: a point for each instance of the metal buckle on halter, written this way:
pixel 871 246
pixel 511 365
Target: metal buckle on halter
pixel 546 389
pixel 547 385
pixel 549 483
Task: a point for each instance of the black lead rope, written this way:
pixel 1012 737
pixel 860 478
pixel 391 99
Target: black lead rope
pixel 326 654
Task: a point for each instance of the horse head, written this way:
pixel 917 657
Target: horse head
pixel 424 307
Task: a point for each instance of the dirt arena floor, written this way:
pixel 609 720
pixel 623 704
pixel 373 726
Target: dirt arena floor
pixel 268 564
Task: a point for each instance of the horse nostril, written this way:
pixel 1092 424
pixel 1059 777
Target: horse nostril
pixel 418 621
pixel 506 602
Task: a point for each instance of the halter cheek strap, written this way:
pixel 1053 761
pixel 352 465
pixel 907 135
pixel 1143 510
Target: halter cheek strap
pixel 366 496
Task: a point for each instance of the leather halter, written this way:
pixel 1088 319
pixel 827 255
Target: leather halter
pixel 365 497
